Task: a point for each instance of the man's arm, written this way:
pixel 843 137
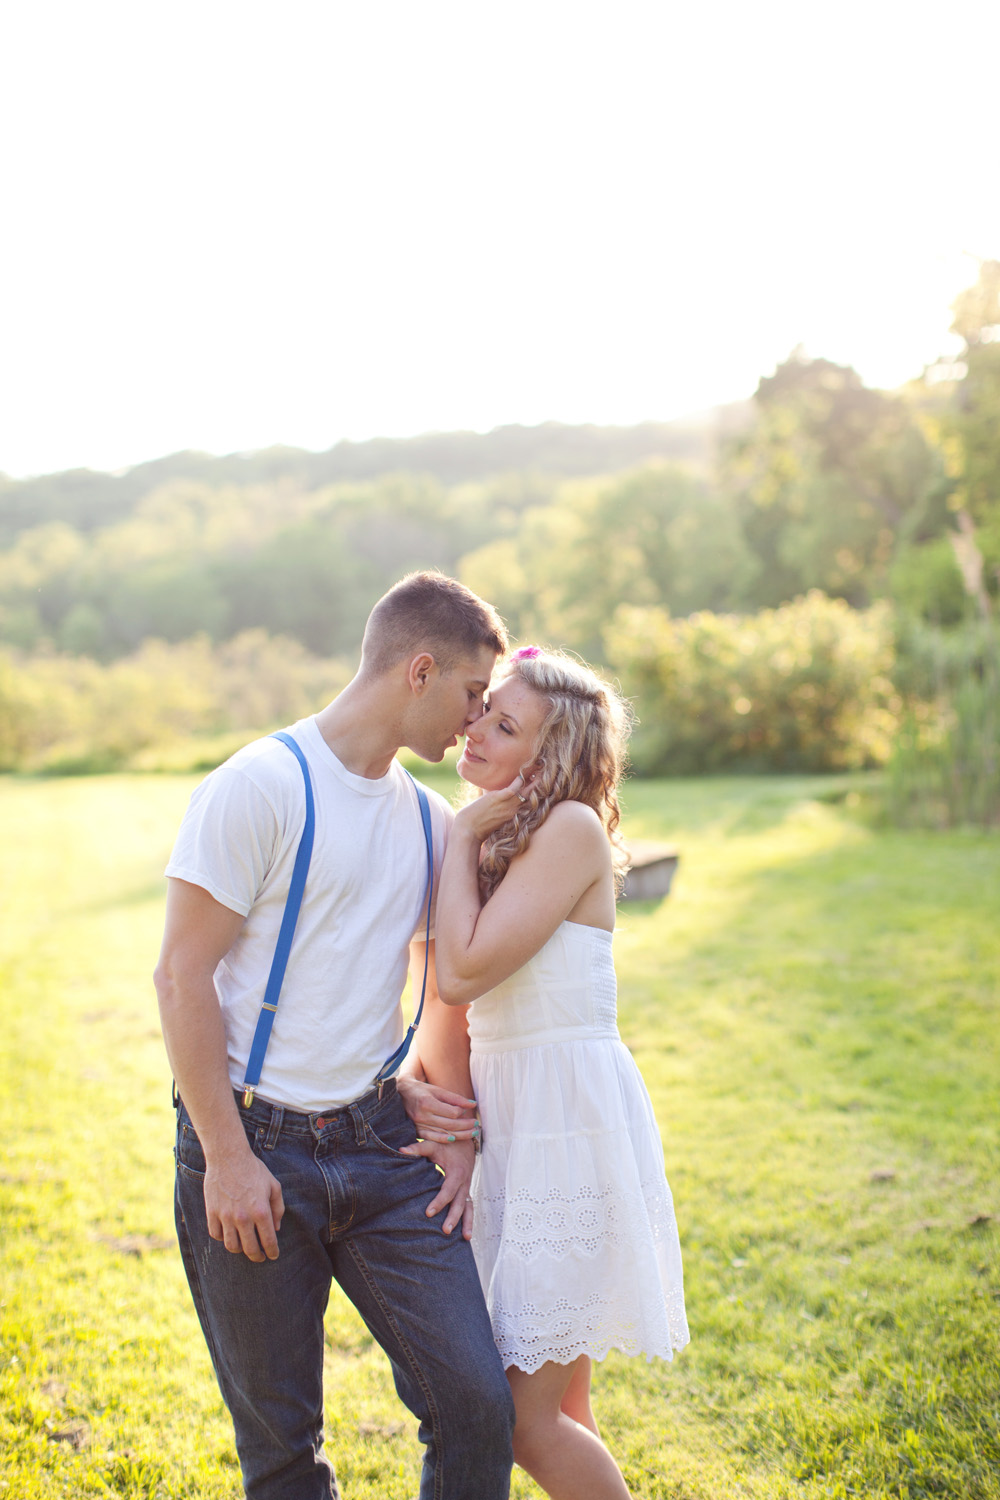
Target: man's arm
pixel 442 1042
pixel 242 1199
pixel 443 1035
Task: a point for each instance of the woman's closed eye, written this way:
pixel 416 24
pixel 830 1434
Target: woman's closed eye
pixel 487 708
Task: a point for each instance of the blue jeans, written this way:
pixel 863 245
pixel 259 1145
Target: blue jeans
pixel 354 1211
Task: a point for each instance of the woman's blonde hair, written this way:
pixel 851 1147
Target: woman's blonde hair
pixel 581 748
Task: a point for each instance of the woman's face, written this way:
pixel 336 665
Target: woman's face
pixel 501 742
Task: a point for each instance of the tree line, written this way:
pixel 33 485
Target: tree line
pixel 879 512
pixel 87 500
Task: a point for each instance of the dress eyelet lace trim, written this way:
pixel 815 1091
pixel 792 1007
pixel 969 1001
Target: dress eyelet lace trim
pixel 623 1312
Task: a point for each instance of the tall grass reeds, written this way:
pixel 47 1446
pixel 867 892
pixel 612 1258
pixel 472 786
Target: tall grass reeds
pixel 944 770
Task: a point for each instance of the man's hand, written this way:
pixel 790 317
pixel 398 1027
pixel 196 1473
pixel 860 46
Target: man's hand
pixel 243 1202
pixel 456 1162
pixel 244 1206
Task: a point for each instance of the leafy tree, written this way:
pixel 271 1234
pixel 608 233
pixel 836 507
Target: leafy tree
pixel 970 429
pixel 926 581
pixel 20 624
pixel 42 574
pixel 83 631
pixel 306 583
pixel 657 536
pixel 523 574
pixel 825 480
pixel 167 599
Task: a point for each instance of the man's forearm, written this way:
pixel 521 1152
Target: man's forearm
pixel 195 1039
pixel 444 1047
pixel 442 1038
pixel 243 1201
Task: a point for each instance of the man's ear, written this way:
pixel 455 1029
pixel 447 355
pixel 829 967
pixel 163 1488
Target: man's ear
pixel 419 672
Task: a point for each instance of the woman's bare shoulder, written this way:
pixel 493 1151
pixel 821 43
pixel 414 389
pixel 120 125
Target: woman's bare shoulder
pixel 572 820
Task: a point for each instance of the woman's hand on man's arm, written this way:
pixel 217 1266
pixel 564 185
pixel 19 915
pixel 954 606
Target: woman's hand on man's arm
pixel 439 1114
pixel 436 1089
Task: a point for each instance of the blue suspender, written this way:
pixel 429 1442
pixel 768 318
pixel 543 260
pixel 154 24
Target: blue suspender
pixel 392 1063
pixel 286 932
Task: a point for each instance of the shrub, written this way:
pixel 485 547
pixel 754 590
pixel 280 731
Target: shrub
pixel 71 714
pixel 805 687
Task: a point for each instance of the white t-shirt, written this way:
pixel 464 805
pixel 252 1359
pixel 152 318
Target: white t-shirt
pixel 339 1014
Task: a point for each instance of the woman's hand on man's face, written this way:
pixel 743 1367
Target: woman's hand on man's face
pixel 493 809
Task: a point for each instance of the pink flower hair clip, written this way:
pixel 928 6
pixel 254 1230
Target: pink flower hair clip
pixel 527 653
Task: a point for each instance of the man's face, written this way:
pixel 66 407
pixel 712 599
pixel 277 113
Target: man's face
pixel 452 701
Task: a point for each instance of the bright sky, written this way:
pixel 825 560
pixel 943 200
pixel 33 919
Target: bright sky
pixel 227 224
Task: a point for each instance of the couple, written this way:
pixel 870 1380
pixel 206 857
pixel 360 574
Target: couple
pixel 319 1172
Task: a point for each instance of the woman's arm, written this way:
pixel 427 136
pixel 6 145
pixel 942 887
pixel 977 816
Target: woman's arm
pixel 479 946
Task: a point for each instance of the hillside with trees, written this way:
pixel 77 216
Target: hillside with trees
pixel 806 579
pixel 87 500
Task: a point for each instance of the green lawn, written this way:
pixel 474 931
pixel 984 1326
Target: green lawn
pixel 815 1012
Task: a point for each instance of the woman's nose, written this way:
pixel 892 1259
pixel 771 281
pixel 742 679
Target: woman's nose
pixel 473 728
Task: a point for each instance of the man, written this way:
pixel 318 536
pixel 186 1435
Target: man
pixel 310 1180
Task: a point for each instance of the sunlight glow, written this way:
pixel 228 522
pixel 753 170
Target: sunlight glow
pixel 230 227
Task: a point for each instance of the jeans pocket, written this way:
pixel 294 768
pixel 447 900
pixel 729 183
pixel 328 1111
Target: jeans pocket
pixel 395 1129
pixel 188 1152
pixel 189 1155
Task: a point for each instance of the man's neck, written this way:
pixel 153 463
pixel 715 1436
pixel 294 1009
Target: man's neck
pixel 360 731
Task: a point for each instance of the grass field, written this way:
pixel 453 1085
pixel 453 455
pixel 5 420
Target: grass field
pixel 815 1012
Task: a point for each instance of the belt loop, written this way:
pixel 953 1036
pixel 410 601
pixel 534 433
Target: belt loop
pixel 274 1126
pixel 360 1128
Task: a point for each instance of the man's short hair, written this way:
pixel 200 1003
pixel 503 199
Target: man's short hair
pixel 429 612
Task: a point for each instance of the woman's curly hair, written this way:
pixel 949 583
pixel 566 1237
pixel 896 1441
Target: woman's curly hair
pixel 581 748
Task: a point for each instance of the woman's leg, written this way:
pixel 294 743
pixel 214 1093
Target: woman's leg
pixel 576 1402
pixel 564 1457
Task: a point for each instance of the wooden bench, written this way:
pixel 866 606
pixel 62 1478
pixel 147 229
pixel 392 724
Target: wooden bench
pixel 652 871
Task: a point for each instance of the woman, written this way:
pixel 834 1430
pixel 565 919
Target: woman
pixel 574 1232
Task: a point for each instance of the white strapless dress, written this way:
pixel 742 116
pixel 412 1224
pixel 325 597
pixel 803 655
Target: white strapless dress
pixel 574 1231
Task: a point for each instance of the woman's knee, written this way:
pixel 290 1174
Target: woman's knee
pixel 534 1436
